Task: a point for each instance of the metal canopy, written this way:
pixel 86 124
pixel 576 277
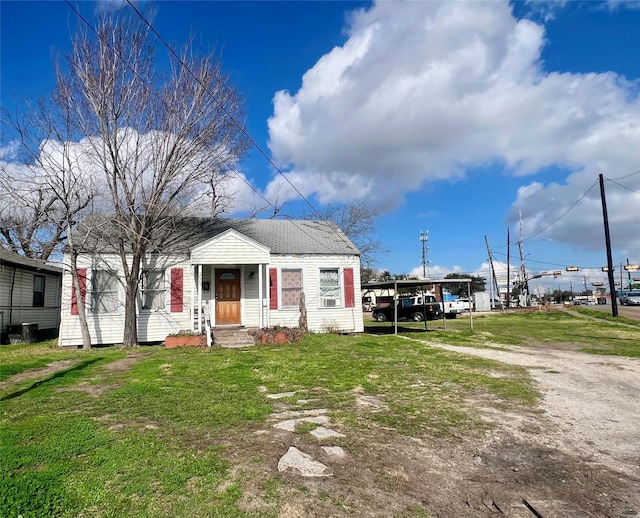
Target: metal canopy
pixel 413 283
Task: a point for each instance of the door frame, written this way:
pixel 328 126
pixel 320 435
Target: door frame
pixel 239 278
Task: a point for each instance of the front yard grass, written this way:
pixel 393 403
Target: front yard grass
pixel 599 335
pixel 155 432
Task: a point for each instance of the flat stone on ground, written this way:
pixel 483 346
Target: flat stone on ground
pixel 325 433
pixel 290 424
pixel 300 463
pixel 334 451
pixel 281 395
pixel 290 414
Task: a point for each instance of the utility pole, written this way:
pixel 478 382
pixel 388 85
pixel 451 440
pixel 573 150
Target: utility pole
pixel 508 269
pixel 494 282
pixel 607 239
pixel 424 237
pixel 525 281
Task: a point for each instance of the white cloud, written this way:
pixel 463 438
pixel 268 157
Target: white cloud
pixel 81 166
pixel 423 91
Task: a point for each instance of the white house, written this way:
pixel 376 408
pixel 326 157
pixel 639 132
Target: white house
pixel 29 294
pixel 235 273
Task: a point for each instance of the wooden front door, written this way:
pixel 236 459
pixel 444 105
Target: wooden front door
pixel 227 297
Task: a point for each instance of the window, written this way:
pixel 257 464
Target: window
pixel 104 291
pixel 330 288
pixel 153 289
pixel 291 288
pixel 38 291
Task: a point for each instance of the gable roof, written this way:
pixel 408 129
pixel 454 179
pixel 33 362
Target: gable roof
pixel 280 236
pixel 12 259
pixel 283 237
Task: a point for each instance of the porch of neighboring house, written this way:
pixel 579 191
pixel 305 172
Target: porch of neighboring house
pixel 228 300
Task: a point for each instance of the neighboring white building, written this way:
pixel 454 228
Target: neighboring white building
pixel 248 273
pixel 29 294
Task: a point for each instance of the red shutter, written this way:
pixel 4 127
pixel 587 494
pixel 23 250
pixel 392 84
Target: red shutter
pixel 273 288
pixel 177 296
pixel 82 280
pixel 349 300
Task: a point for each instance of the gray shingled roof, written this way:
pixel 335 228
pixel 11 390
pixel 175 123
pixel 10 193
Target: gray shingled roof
pixel 13 259
pixel 280 236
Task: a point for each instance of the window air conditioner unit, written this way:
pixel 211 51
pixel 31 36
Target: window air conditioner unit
pixel 329 303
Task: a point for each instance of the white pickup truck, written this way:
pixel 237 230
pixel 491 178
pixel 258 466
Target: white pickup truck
pixel 452 308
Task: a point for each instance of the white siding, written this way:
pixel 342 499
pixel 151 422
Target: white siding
pixel 230 248
pixel 250 296
pixel 108 328
pixel 20 309
pixel 320 319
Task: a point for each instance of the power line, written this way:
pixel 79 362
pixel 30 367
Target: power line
pixel 561 215
pixel 626 176
pixel 231 118
pixel 623 186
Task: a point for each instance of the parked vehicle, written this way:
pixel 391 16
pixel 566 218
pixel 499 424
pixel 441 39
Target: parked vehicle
pixel 630 298
pixel 408 309
pixel 452 308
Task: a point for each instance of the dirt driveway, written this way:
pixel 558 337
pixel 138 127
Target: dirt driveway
pixel 581 457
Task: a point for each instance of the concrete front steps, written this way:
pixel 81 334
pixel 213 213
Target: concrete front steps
pixel 232 337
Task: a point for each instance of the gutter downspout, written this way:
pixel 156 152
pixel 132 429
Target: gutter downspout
pixel 13 283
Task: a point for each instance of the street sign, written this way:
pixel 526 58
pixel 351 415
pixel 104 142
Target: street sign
pixel 572 268
pixel 631 267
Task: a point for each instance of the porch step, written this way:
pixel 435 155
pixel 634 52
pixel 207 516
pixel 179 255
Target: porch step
pixel 232 337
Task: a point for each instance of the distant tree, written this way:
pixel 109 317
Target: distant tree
pixel 358 222
pixel 54 191
pixel 477 284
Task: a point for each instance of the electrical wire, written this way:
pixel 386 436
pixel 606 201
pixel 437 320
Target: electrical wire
pixel 225 111
pixel 626 176
pixel 623 186
pixel 561 215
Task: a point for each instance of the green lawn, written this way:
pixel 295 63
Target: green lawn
pixel 159 432
pixel 589 330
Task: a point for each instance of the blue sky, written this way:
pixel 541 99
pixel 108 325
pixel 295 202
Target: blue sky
pixel 449 117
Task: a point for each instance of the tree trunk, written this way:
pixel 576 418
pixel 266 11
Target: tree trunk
pixel 82 315
pixel 130 338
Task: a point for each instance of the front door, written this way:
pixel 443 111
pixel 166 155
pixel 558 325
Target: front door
pixel 227 297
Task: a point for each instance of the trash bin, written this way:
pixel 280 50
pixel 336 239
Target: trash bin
pixel 15 333
pixel 29 333
pixel 25 333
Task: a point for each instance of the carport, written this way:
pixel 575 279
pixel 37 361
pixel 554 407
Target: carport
pixel 421 283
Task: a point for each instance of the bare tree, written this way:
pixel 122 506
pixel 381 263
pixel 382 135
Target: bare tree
pixel 160 142
pixel 357 221
pixel 44 197
pixel 32 220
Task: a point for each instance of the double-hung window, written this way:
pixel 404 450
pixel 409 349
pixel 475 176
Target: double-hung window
pixel 38 291
pixel 153 289
pixel 330 289
pixel 104 286
pixel 291 287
